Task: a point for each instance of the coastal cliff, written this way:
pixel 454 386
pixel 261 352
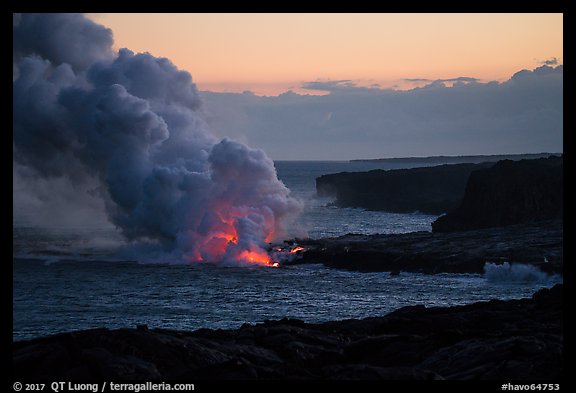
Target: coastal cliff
pixel 433 190
pixel 510 211
pixel 475 196
pixel 508 193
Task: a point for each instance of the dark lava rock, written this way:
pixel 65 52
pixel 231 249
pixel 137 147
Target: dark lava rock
pixel 510 192
pixel 476 159
pixel 433 190
pixel 539 244
pixel 505 340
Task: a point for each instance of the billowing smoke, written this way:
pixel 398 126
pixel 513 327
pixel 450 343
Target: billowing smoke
pixel 128 128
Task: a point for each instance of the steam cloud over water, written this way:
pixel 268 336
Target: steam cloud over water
pixel 127 129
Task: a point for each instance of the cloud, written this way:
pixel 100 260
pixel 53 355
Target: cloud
pixel 464 79
pixel 460 79
pixel 522 114
pixel 344 85
pixel 417 80
pixel 550 62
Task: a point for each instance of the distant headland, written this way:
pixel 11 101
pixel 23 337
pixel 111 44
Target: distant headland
pixel 459 159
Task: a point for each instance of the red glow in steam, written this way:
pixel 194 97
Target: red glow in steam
pixel 225 243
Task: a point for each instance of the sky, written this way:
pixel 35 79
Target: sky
pixel 271 53
pixel 349 86
pixel 94 121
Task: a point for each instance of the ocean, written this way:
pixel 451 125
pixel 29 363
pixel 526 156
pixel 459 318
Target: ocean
pixel 67 279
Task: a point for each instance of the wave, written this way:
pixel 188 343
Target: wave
pixel 517 273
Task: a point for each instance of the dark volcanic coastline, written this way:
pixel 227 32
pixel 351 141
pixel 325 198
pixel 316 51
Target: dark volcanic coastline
pixel 511 211
pixel 508 193
pixel 506 340
pixel 433 190
pixel 476 159
pixel 502 193
pixel 514 340
pixel 539 244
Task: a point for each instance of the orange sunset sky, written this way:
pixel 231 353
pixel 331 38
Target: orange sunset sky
pixel 271 53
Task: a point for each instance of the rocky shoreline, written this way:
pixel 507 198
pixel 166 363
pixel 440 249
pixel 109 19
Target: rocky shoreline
pixel 506 340
pixel 496 340
pixel 539 244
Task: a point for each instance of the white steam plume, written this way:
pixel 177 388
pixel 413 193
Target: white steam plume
pixel 132 123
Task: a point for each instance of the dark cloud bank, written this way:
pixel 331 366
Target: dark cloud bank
pixel 457 116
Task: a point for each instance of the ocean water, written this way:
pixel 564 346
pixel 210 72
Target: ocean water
pixel 65 278
pixel 320 219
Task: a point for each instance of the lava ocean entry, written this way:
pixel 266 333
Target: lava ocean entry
pixel 225 245
pixel 128 130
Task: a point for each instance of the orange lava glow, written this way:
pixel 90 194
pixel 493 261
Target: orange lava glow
pixel 296 249
pixel 224 242
pixel 259 257
pixel 229 237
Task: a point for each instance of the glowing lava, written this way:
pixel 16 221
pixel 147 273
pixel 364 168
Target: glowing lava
pixel 231 237
pixel 296 249
pixel 258 257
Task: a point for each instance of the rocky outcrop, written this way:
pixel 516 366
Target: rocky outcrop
pixel 433 190
pixel 439 160
pixel 506 340
pixel 510 192
pixel 454 252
